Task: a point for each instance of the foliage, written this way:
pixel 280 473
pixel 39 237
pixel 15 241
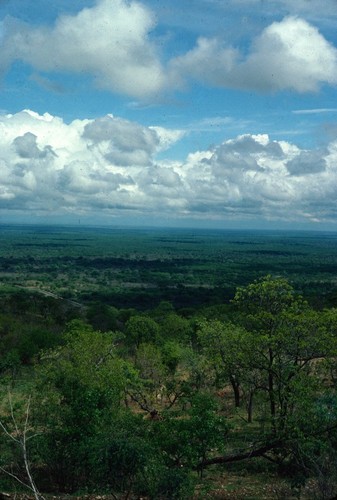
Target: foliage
pixel 188 441
pixel 134 395
pixel 286 336
pixel 80 386
pixel 228 348
pixel 141 329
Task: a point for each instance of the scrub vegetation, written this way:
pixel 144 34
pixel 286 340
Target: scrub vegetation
pixel 166 364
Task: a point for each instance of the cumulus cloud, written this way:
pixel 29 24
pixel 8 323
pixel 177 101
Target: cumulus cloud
pixel 48 165
pixel 112 42
pixel 308 162
pixel 110 165
pixel 290 54
pixel 109 41
pixel 243 176
pixel 209 61
pixel 253 177
pixel 121 142
pixel 26 147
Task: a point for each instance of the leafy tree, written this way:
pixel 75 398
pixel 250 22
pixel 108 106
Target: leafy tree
pixel 187 442
pixel 102 317
pixel 172 354
pixel 227 347
pixel 174 327
pixel 141 329
pixel 157 386
pixel 286 336
pixel 133 461
pixel 80 387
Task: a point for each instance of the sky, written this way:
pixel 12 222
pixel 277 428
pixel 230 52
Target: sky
pixel 205 113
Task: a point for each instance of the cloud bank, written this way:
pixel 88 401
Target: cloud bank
pixel 113 43
pixel 109 166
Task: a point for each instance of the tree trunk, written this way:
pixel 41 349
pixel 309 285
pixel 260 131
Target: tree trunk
pixel 250 407
pixel 271 388
pixel 236 390
pixel 271 395
pixel 258 452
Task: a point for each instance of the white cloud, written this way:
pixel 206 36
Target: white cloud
pixel 121 142
pixel 112 42
pixel 290 54
pixel 48 165
pixel 26 146
pixel 209 61
pixel 314 111
pixel 307 162
pixel 166 137
pixel 254 177
pixel 109 165
pixel 108 41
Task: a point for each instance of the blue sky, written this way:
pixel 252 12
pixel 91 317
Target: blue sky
pixel 217 113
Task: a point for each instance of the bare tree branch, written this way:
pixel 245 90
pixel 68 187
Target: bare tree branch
pixel 21 441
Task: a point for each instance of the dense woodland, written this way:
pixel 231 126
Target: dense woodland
pixel 168 364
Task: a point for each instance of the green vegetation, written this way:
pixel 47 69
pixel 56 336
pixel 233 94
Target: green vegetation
pixel 133 268
pixel 168 364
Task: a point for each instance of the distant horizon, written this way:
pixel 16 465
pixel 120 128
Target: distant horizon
pixel 147 226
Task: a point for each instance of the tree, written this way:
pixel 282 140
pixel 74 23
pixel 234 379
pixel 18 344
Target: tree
pixel 174 327
pixel 20 435
pixel 80 387
pixel 187 442
pixel 102 317
pixel 156 384
pixel 286 337
pixel 227 348
pixel 280 346
pixel 141 329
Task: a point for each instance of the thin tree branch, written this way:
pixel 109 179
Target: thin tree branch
pixel 22 443
pixel 17 479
